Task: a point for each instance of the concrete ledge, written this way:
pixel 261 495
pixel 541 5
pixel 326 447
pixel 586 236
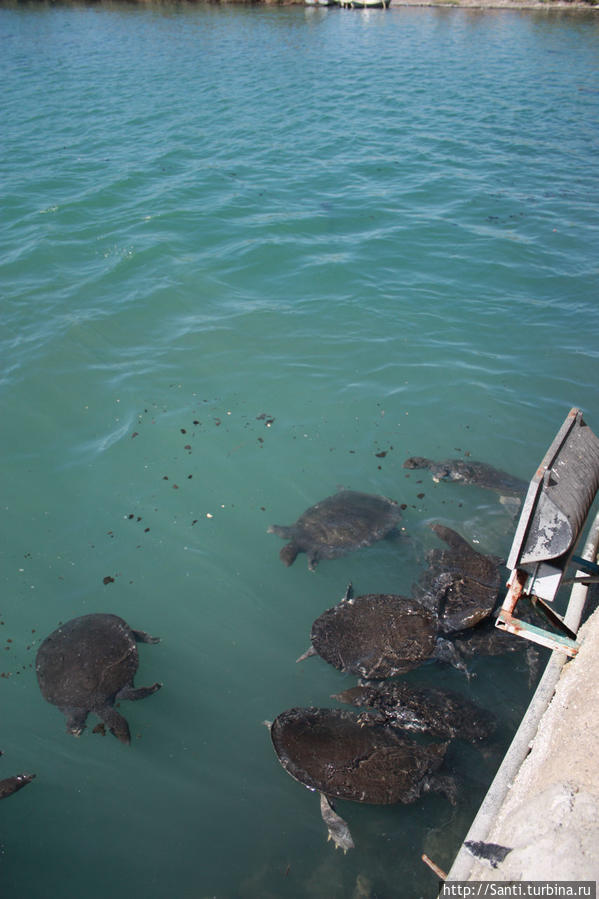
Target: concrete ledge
pixel 550 816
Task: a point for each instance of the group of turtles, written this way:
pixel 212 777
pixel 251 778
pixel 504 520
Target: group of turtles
pixel 378 755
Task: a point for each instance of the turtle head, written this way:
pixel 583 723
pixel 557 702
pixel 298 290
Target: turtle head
pixel 417 462
pixel 289 553
pixel 442 471
pixel 76 719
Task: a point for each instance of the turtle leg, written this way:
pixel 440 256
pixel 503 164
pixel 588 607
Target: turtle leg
pixel 313 559
pixel 336 826
pixel 10 785
pixel 132 693
pixel 115 723
pixel 445 651
pixel 532 662
pixel 142 637
pixel 453 539
pixel 442 783
pixel 288 553
pixel 511 504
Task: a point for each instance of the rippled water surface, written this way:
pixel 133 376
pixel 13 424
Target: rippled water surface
pixel 249 256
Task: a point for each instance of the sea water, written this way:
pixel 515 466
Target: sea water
pixel 249 256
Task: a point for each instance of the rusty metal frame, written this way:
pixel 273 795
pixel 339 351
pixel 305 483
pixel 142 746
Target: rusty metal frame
pixel 506 620
pixel 522 582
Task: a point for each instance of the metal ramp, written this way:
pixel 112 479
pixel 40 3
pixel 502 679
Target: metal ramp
pixel 555 510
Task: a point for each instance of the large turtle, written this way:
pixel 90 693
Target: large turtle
pixel 480 474
pixel 347 756
pixel 86 665
pixel 460 584
pixel 10 785
pixel 338 525
pixel 378 635
pixel 440 713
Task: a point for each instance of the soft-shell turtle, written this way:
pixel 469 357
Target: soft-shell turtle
pixel 440 713
pixel 347 756
pixel 86 665
pixel 378 635
pixel 10 785
pixel 477 473
pixel 460 584
pixel 338 525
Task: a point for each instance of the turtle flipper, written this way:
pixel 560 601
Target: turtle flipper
pixel 132 693
pixel 142 637
pixel 511 504
pixel 446 651
pixel 336 826
pixel 452 538
pixel 313 559
pixel 10 785
pixel 115 722
pixel 442 783
pixel 288 554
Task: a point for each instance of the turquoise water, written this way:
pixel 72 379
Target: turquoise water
pixel 249 256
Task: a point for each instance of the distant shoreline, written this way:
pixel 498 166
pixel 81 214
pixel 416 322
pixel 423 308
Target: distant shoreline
pixel 547 5
pixel 540 5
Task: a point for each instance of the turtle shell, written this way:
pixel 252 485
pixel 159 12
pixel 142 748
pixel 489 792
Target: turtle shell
pixel 86 661
pixel 337 525
pixel 461 584
pixel 376 635
pixel 440 713
pixel 347 757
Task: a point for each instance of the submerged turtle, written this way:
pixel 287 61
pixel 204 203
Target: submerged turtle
pixel 460 584
pixel 378 635
pixel 477 473
pixel 347 756
pixel 338 525
pixel 440 713
pixel 487 640
pixel 10 785
pixel 86 665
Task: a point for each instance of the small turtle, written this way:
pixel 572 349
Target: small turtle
pixel 478 474
pixel 10 785
pixel 338 525
pixel 460 584
pixel 86 665
pixel 347 756
pixel 378 635
pixel 440 713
